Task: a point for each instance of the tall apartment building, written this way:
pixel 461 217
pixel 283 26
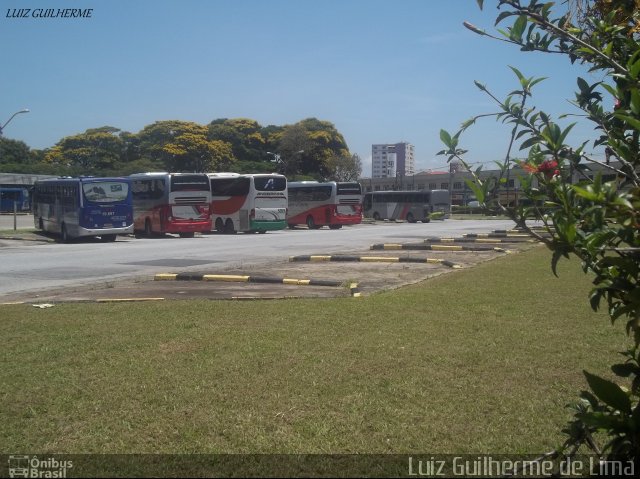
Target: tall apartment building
pixel 391 160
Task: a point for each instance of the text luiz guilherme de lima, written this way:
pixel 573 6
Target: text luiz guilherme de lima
pixel 49 12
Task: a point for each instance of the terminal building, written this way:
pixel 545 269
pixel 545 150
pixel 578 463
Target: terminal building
pixel 453 180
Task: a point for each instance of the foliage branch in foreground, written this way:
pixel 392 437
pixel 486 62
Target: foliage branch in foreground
pixel 596 220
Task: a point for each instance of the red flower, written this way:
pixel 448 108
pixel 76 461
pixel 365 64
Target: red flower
pixel 547 166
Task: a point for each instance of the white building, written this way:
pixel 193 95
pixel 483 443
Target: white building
pixel 391 160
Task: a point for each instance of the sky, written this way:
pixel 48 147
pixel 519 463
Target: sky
pixel 382 71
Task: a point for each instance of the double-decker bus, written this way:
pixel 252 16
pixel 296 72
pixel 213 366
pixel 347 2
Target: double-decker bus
pixel 14 197
pixel 248 202
pixel 84 206
pixel 411 206
pixel 331 203
pixel 176 203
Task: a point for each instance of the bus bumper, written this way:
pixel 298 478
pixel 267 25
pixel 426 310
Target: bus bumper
pixel 200 227
pixel 105 231
pixel 348 219
pixel 258 225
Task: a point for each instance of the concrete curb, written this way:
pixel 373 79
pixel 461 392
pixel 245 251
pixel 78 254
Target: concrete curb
pixel 98 300
pixel 479 240
pixel 353 287
pixel 422 246
pixel 498 235
pixel 373 259
pixel 25 238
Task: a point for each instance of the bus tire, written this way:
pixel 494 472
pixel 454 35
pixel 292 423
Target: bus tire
pixel 262 231
pixel 64 234
pixel 312 224
pixel 292 226
pixel 108 238
pixel 148 230
pixel 187 235
pixel 426 220
pixel 40 224
pixel 219 226
pixel 410 218
pixel 376 216
pixel 335 227
pixel 228 227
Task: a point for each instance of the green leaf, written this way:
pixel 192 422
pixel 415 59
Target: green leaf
pixel 557 254
pixel 634 122
pixel 583 85
pixel 529 143
pixel 634 65
pixel 518 28
pixel 585 193
pixel 601 420
pixel 609 393
pixel 518 74
pixel 477 190
pixel 446 138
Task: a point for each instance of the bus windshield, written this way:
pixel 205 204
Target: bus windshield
pixel 106 191
pixel 270 183
pixel 189 183
pixel 349 189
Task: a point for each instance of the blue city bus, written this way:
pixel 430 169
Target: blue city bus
pixel 84 206
pixel 14 197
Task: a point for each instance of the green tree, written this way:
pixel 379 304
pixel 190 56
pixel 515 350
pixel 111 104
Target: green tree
pixel 344 168
pixel 596 221
pixel 194 152
pixel 15 156
pixel 182 146
pixel 97 151
pixel 294 151
pixel 309 147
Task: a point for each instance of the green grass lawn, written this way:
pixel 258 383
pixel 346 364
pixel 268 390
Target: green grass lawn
pixel 478 361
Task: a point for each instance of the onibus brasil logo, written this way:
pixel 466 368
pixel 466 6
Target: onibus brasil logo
pixel 33 466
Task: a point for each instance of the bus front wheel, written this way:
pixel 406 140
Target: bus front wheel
pixel 187 235
pixel 410 218
pixel 376 216
pixel 108 238
pixel 312 224
pixel 219 226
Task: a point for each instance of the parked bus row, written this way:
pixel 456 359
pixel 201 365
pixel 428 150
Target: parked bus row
pixel 189 203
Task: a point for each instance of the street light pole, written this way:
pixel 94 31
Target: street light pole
pixel 25 110
pixel 277 158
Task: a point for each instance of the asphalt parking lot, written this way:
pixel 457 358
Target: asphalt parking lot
pixel 363 273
